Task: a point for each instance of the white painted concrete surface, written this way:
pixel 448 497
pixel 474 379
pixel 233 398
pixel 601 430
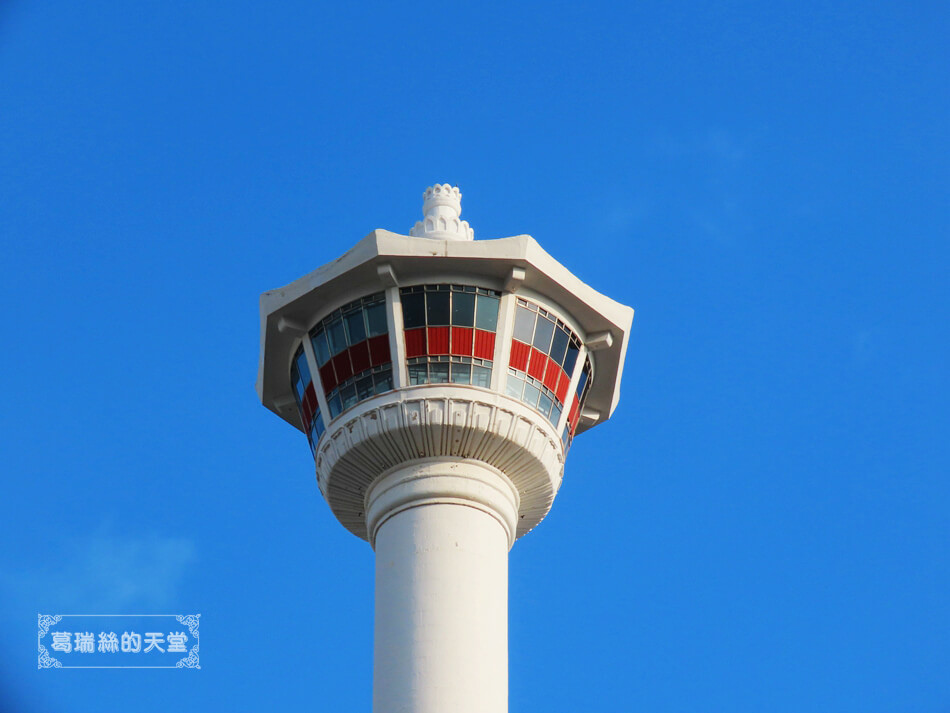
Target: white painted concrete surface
pixel 442 531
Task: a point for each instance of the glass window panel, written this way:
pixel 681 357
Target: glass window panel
pixel 437 308
pixel 514 387
pixel 583 380
pixel 336 406
pixel 348 395
pixel 559 346
pixel 376 319
pixel 531 394
pixel 299 388
pixel 320 347
pixel 364 387
pixel 586 379
pixel 545 404
pixel 355 329
pixel 461 373
pixel 337 336
pixel 439 373
pixel 486 316
pixel 555 414
pixel 384 381
pixel 302 367
pixel 481 376
pixel 542 335
pixel 524 324
pixel 463 309
pixel 418 374
pixel 318 425
pixel 572 351
pixel 414 310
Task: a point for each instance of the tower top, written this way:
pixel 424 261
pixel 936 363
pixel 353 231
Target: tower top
pixel 441 208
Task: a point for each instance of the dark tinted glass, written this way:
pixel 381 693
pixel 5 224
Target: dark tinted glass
pixel 414 310
pixel 524 324
pixel 463 309
pixel 559 347
pixel 364 387
pixel 355 328
pixel 418 374
pixel 437 308
pixel 461 373
pixel 376 318
pixel 439 373
pixel 582 382
pixel 321 348
pixel 543 333
pixel 302 367
pixel 481 376
pixel 486 316
pixel 571 360
pixel 349 395
pixel 337 337
pixel 384 381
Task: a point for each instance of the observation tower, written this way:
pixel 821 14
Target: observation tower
pixel 440 381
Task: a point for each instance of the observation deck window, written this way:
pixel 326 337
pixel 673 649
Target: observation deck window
pixel 306 398
pixel 352 349
pixel 449 333
pixel 542 358
pixel 577 403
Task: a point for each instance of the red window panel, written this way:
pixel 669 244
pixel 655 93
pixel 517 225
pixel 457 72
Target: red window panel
pixel 562 386
pixel 341 364
pixel 310 398
pixel 484 344
pixel 551 374
pixel 573 415
pixel 328 377
pixel 415 342
pixel 462 341
pixel 379 349
pixel 359 357
pixel 519 355
pixel 306 416
pixel 438 340
pixel 537 363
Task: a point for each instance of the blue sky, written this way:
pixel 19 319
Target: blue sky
pixel 762 526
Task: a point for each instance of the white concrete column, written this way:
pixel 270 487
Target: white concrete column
pixel 441 530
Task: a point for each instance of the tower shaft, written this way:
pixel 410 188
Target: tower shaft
pixel 442 531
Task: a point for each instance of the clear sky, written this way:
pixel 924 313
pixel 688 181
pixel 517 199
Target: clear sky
pixel 763 524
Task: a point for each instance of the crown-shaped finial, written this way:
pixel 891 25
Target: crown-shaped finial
pixel 442 206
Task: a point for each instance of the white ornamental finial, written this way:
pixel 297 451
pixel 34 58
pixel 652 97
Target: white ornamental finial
pixel 442 207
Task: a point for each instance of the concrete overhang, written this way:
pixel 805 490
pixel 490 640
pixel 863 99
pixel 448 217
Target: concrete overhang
pixel 383 259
